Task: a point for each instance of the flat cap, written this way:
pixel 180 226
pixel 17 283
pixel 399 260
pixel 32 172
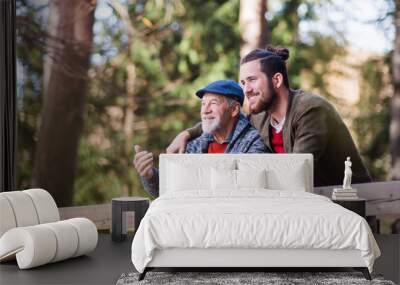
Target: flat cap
pixel 228 88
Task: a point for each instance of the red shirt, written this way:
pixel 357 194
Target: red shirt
pixel 214 147
pixel 277 141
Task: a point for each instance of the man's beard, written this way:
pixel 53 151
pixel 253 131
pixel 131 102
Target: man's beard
pixel 210 126
pixel 266 105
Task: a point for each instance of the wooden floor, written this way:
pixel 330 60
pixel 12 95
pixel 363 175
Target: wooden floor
pixel 110 259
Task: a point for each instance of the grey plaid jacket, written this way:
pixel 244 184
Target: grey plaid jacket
pixel 244 139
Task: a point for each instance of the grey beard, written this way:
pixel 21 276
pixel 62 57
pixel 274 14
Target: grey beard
pixel 209 128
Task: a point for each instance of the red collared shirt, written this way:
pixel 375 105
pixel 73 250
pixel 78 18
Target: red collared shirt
pixel 214 147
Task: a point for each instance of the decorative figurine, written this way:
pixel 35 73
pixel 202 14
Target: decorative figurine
pixel 347 174
pixel 346 192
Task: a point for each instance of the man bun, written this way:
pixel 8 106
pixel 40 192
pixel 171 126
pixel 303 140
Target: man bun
pixel 282 52
pixel 272 61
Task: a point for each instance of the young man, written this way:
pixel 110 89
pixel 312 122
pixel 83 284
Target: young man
pixel 292 121
pixel 225 130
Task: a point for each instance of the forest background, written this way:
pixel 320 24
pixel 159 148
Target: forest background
pixel 97 77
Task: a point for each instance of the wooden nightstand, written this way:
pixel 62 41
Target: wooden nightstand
pixel 357 206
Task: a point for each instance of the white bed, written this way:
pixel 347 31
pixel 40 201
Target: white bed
pixel 247 210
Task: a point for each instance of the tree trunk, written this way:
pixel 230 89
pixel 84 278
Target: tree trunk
pixel 395 105
pixel 69 48
pixel 253 25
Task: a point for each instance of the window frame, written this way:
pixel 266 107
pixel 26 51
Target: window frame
pixel 8 119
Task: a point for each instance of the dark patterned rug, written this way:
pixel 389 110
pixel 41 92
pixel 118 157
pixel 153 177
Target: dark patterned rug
pixel 225 278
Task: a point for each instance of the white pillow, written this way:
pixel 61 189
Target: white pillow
pixel 184 176
pixel 291 179
pixel 223 179
pixel 251 178
pixel 280 174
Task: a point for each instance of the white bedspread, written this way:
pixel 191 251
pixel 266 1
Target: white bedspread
pixel 250 219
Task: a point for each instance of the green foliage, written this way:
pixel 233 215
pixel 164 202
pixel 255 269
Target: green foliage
pixel 311 54
pixel 371 124
pixel 176 48
pixel 99 175
pixel 172 58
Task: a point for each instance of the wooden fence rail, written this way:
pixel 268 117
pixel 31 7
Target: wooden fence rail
pixel 383 199
pixel 99 214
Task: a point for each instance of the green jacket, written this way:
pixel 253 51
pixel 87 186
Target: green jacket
pixel 314 126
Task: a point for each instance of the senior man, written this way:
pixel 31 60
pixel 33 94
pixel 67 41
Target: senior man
pixel 225 130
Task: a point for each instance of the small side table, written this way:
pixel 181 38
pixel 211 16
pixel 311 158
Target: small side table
pixel 357 205
pixel 123 204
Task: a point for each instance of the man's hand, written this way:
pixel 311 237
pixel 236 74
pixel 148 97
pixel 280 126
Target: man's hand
pixel 143 162
pixel 178 145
